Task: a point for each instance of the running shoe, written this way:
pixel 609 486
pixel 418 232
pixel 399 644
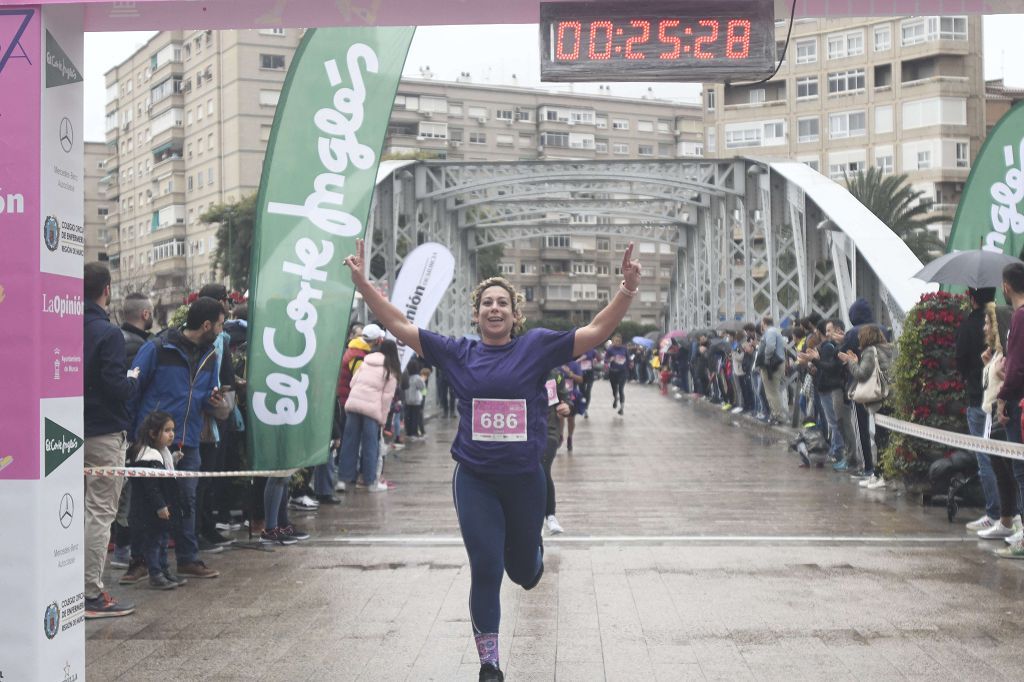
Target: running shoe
pixel 304 503
pixel 553 526
pixel 877 484
pixel 275 536
pixel 615 403
pixel 1015 538
pixel 105 606
pixel 339 487
pixel 121 558
pixel 841 465
pixel 982 523
pixel 868 481
pixel 568 444
pixel 293 532
pixel 1014 551
pixel 996 532
pixel 378 487
pixel 620 410
pixel 491 673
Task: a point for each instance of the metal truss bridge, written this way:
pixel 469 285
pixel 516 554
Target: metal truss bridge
pixel 750 237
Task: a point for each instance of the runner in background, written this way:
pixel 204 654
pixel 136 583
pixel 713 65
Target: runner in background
pixel 499 485
pixel 618 371
pixel 586 363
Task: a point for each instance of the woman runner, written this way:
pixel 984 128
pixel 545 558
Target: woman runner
pixel 618 371
pixel 499 486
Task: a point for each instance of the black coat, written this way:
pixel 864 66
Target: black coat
pixel 107 388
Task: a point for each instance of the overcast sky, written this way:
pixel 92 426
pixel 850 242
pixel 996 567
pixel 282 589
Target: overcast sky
pixel 504 51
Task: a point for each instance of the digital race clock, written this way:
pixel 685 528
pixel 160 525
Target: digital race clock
pixel 705 40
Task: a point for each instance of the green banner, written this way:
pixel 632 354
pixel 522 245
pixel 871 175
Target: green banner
pixel 318 180
pixel 989 215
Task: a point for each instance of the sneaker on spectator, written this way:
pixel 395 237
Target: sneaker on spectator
pixel 208 547
pixel 217 539
pixel 982 523
pixel 121 557
pixel 553 526
pixel 877 484
pixel 105 606
pixel 160 582
pixel 327 499
pixel 868 481
pixel 996 532
pixel 228 527
pixel 397 445
pixel 197 569
pixel 293 532
pixel 304 503
pixel 841 465
pixel 339 487
pixel 175 579
pixel 378 487
pixel 1015 538
pixel 273 536
pixel 136 571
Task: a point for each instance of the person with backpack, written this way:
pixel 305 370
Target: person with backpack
pixel 772 355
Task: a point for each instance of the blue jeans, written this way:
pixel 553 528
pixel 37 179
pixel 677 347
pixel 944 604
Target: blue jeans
pixel 976 427
pixel 186 545
pixel 755 378
pixel 155 548
pixel 500 517
pixel 275 502
pixel 325 475
pixel 837 444
pixel 361 440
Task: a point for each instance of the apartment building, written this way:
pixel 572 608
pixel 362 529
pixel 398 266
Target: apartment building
pixel 98 233
pixel 903 95
pixel 999 99
pixel 189 117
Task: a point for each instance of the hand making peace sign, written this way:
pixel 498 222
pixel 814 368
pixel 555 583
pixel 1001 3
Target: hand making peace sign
pixel 631 271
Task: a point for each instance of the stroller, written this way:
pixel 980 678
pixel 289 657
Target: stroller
pixel 811 445
pixel 956 478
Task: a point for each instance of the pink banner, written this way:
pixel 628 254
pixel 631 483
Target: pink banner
pixel 20 83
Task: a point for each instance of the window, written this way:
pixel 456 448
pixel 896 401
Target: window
pixel 840 171
pixel 433 131
pixel 924 160
pixel 454 109
pixel 555 139
pixel 188 183
pixel 558 241
pixel 755 134
pixel 272 61
pixel 584 268
pixel 620 124
pixel 269 98
pixel 279 32
pixel 807 51
pixel 807 87
pixel 664 126
pixel 884 163
pixel 711 100
pixel 913 31
pixel 963 154
pixel 808 129
pixel 620 148
pixel 848 44
pixel 209 107
pixel 757 96
pixel 710 140
pixel 952 28
pixel 603 270
pixel 645 126
pixel 883 119
pixel 477 138
pixel 525 140
pixel 527 268
pixel 603 245
pixel 664 149
pixel 847 124
pixel 506 268
pixel 433 105
pixel 883 38
pixel 209 142
pixel 645 150
pixel 478 113
pixel 581 141
pixel 934 111
pixel 841 82
pixel 601 122
pixel 582 117
pixel 524 115
pixel 503 114
pixel 504 140
pixel 691 149
pixel 601 146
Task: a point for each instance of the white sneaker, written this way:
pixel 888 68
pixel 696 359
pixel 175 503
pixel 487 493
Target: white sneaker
pixel 1015 538
pixel 982 523
pixel 377 487
pixel 339 487
pixel 553 526
pixel 997 532
pixel 869 481
pixel 304 503
pixel 877 484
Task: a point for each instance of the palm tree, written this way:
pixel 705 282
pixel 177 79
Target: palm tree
pixel 901 207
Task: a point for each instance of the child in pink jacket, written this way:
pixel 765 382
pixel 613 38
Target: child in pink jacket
pixel 366 411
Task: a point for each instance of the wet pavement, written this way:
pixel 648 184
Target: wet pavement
pixel 694 549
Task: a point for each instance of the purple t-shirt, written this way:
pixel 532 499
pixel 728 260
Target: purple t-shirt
pixel 511 374
pixel 617 358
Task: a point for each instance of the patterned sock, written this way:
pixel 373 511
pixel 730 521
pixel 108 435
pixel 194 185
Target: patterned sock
pixel 487 648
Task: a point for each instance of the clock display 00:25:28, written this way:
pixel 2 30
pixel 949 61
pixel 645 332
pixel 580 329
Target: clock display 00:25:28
pixel 604 40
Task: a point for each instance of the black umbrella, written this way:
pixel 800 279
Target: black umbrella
pixel 976 269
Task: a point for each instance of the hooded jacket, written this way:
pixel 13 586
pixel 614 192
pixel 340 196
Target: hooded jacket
pixel 152 494
pixel 350 361
pixel 371 390
pixel 178 377
pixel 107 388
pixel 860 315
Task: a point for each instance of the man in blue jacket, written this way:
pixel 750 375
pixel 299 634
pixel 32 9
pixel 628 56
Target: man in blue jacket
pixel 772 354
pixel 178 375
pixel 108 388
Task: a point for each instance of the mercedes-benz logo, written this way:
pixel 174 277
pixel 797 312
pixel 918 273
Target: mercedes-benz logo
pixel 66 514
pixel 67 135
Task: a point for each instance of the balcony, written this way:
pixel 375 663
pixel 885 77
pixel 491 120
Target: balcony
pixel 169 266
pixel 168 199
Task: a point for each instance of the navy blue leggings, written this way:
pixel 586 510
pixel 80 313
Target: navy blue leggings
pixel 500 517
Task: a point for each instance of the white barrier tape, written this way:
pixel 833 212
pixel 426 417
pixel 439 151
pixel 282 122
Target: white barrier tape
pixel 961 441
pixel 145 472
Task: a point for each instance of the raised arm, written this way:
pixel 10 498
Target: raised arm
pixel 390 316
pixel 605 322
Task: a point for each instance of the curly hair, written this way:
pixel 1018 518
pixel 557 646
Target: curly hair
pixel 517 299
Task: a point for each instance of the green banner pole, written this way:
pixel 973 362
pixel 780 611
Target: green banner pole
pixel 314 201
